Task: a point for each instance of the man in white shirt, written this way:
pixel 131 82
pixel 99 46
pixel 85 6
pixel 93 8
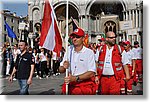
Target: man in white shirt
pixel 138 52
pixel 81 65
pixel 110 66
pixel 131 65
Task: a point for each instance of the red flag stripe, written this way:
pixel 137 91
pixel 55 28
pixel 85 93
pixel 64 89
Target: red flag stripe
pixel 47 21
pixel 50 35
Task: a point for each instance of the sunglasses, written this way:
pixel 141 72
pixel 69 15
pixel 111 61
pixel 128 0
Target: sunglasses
pixel 75 36
pixel 112 37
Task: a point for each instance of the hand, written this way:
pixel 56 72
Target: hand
pixel 10 79
pixel 133 73
pixel 29 81
pixel 69 79
pixel 96 80
pixel 66 64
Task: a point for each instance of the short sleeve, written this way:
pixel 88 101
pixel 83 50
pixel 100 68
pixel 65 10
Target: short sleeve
pixel 125 59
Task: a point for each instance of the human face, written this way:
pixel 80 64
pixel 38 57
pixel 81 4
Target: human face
pixel 136 46
pixel 111 38
pixel 22 46
pixel 77 40
pixel 103 43
pixel 126 47
pixel 42 50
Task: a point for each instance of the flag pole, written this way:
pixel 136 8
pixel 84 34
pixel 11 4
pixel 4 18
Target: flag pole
pixel 66 40
pixel 10 44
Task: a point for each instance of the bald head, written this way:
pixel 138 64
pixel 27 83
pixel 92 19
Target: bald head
pixel 110 38
pixel 110 33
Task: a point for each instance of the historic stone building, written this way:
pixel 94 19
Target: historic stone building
pixel 96 17
pixel 13 21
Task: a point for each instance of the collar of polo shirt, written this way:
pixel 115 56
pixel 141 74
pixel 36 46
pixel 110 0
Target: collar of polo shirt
pixel 82 50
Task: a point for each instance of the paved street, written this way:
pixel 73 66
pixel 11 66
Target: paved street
pixel 50 86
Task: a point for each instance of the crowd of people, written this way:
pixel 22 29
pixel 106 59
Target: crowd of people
pixel 106 68
pixel 46 62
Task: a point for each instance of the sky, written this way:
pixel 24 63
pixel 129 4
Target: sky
pixel 18 6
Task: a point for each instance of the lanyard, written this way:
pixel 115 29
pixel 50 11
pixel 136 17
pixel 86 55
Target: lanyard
pixel 71 47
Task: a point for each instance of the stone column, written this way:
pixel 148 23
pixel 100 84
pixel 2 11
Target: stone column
pixel 124 16
pixel 81 21
pixel 96 25
pixel 140 20
pixel 127 16
pixel 89 23
pixel 113 26
pixel 133 18
pixel 136 18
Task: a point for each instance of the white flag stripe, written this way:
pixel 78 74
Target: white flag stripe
pixel 50 38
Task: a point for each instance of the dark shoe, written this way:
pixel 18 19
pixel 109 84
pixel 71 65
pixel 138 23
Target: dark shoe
pixel 134 83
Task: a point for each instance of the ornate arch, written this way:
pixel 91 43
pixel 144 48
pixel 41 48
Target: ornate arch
pixel 57 4
pixel 92 2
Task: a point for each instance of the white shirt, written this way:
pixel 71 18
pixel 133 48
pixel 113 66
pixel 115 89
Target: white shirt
pixel 43 57
pixel 125 59
pixel 130 55
pixel 138 52
pixel 108 68
pixel 97 53
pixel 54 56
pixel 36 57
pixel 15 53
pixel 81 61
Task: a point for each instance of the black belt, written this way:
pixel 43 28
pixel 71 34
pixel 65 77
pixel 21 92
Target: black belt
pixel 108 76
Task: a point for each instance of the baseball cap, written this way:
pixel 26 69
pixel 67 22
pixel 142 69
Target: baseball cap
pixel 78 32
pixel 136 43
pixel 126 42
pixel 102 39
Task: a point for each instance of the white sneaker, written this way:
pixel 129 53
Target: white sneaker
pixel 46 77
pixel 37 76
pixel 57 73
pixel 14 79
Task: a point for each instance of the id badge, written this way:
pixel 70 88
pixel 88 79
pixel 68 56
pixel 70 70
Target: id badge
pixel 107 65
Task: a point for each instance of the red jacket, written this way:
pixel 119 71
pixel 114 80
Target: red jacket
pixel 116 62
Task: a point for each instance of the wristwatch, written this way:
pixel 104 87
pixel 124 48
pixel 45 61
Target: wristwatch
pixel 77 79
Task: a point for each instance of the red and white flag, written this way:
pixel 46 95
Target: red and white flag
pixel 50 36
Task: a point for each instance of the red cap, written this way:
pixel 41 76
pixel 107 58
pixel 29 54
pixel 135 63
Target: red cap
pixel 127 42
pixel 78 32
pixel 102 39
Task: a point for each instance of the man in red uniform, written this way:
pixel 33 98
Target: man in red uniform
pixel 110 66
pixel 131 65
pixel 138 52
pixel 81 65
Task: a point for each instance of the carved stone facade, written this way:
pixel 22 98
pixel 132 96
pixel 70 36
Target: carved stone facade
pixel 96 17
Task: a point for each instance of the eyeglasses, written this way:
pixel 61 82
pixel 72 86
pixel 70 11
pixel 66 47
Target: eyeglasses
pixel 112 37
pixel 75 36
